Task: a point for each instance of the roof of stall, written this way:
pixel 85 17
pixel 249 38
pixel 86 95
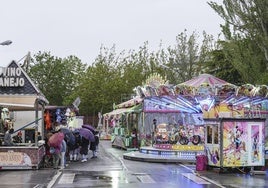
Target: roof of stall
pixel 23 97
pixel 123 111
pixel 129 103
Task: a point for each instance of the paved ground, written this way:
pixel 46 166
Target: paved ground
pixel 111 170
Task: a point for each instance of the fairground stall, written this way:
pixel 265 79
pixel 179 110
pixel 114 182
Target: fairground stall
pixel 22 106
pixel 121 124
pixel 235 142
pixel 62 116
pixel 235 121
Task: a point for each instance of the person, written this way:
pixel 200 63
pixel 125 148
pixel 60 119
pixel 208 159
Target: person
pixel 55 150
pixel 63 152
pixel 74 149
pixel 39 137
pixel 134 138
pixel 48 161
pixel 7 138
pixel 84 149
pixel 153 131
pixel 18 138
pixel 94 145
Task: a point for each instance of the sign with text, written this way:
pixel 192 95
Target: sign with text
pixel 14 159
pixel 11 77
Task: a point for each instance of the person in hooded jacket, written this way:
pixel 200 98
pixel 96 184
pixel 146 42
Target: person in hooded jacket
pixel 74 148
pixel 84 149
pixel 55 151
pixel 94 145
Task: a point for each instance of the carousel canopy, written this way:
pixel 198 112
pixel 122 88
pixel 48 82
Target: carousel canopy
pixel 205 84
pixel 208 79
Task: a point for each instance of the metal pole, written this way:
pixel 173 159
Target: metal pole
pixel 36 122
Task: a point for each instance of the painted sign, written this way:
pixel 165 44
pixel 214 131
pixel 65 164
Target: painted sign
pixel 243 143
pixel 11 77
pixel 14 159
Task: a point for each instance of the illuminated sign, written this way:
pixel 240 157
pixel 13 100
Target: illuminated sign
pixel 11 77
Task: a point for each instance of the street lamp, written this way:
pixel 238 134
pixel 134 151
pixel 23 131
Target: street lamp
pixel 6 43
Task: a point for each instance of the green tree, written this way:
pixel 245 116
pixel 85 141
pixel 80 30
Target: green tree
pixel 57 78
pixel 112 78
pixel 99 89
pixel 246 34
pixel 187 58
pixel 221 67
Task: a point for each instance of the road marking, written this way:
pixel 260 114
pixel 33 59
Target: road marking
pixel 38 185
pixel 54 179
pixel 205 178
pixel 146 179
pixel 67 179
pixel 187 168
pixel 195 178
pixel 212 181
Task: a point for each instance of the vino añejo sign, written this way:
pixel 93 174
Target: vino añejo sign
pixel 11 77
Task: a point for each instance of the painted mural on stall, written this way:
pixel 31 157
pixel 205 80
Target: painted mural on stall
pixel 243 143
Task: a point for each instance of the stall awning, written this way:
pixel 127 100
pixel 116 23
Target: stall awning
pixel 117 112
pixel 122 111
pixel 130 103
pixel 18 102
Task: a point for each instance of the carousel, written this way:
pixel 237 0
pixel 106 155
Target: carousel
pixel 204 116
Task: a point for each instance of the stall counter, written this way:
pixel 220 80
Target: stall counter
pixel 27 156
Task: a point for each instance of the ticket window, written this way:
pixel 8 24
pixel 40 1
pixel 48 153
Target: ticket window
pixel 212 134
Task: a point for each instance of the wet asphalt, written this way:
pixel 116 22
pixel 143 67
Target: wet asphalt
pixel 111 170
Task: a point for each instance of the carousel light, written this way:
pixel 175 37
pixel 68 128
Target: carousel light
pixel 211 104
pixel 228 99
pixel 241 100
pixel 175 106
pixel 259 100
pixel 187 103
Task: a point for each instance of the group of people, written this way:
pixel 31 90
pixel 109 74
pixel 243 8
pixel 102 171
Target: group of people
pixel 62 147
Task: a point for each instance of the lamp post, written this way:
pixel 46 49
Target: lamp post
pixel 6 43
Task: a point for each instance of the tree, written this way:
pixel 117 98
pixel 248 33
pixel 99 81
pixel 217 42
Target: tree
pixel 186 59
pixel 111 79
pixel 57 78
pixel 98 89
pixel 220 66
pixel 246 33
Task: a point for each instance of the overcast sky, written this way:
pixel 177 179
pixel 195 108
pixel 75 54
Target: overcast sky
pixel 80 27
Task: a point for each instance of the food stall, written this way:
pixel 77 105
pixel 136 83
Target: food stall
pixel 22 105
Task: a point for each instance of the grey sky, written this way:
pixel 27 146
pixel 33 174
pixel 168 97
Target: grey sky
pixel 80 27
